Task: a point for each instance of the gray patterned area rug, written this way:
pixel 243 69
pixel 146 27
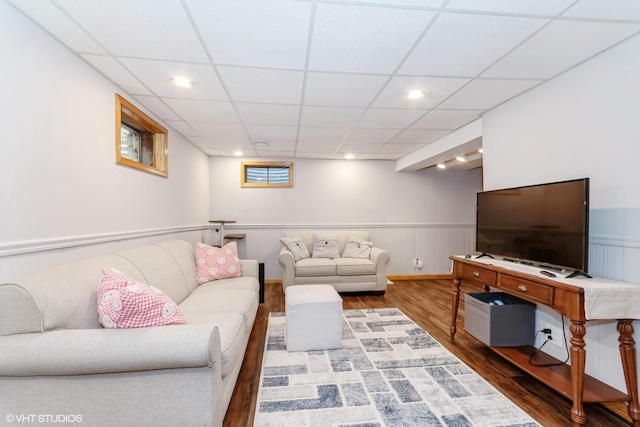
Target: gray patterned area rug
pixel 389 372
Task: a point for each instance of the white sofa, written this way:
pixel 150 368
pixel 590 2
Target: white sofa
pixel 344 274
pixel 55 358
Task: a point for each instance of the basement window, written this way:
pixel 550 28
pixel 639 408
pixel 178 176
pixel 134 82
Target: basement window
pixel 141 143
pixel 264 174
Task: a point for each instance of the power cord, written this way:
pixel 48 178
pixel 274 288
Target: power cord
pixel 548 331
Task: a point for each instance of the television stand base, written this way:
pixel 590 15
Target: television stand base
pixel 578 273
pixel 484 254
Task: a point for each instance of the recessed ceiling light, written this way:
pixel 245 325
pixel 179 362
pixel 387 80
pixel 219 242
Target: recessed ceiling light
pixel 461 159
pixel 416 94
pixel 480 151
pixel 237 153
pixel 442 166
pixel 349 156
pixel 181 82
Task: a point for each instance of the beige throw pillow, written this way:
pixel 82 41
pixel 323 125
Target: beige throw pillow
pixel 296 246
pixel 357 248
pixel 325 246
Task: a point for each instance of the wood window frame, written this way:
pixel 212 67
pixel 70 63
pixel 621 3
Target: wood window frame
pixel 266 165
pixel 131 116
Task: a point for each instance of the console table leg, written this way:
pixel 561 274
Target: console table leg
pixel 454 306
pixel 578 358
pixel 628 356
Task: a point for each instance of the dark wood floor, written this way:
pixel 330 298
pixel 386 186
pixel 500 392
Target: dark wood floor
pixel 428 303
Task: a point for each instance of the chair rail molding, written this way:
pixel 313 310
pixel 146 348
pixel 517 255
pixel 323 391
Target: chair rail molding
pixel 41 245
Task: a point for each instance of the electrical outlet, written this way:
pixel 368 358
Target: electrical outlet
pixel 416 262
pixel 555 337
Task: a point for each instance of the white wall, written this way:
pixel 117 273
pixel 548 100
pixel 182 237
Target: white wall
pixel 428 214
pixel 58 177
pixel 584 123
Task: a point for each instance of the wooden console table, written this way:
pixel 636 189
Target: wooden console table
pixel 568 300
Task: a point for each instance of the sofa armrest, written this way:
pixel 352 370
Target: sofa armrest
pixel 249 267
pixel 381 259
pixel 288 263
pixel 99 351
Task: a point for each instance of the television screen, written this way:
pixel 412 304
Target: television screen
pixel 544 224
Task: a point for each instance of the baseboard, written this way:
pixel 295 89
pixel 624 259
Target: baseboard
pixel 401 277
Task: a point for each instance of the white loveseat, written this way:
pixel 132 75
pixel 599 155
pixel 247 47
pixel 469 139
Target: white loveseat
pixel 344 274
pixel 55 358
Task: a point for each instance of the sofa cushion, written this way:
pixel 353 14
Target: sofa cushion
pixel 296 246
pixel 354 266
pixel 232 334
pixel 127 303
pixel 315 267
pixel 325 246
pixel 222 301
pixel 214 263
pixel 357 248
pixel 235 283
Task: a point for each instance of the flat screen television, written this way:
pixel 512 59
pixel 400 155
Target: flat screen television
pixel 546 225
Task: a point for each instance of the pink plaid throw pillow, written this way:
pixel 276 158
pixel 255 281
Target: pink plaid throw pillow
pixel 126 303
pixel 214 263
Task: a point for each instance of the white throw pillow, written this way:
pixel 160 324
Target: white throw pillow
pixel 297 247
pixel 325 246
pixel 357 248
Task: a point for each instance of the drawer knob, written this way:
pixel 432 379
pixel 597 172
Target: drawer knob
pixel 476 274
pixel 522 288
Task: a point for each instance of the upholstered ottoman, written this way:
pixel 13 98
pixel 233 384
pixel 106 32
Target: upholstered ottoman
pixel 314 317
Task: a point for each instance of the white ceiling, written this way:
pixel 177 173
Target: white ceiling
pixel 319 79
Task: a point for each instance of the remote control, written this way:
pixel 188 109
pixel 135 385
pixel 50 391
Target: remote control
pixel 547 273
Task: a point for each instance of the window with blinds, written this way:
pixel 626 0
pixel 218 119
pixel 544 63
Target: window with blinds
pixel 264 174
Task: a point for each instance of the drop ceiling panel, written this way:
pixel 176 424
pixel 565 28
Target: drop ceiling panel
pixel 276 145
pixel 598 9
pixel 156 29
pixel 254 33
pixel 446 119
pixel 418 136
pixel 272 132
pixel 371 135
pixel 352 147
pixel 158 107
pixel 388 118
pixel 363 39
pixel 317 74
pixel 193 110
pixel 331 116
pixel 484 94
pixel 181 127
pixel 113 70
pixel 466 44
pixel 438 89
pixel 528 7
pixel 345 90
pixel 317 147
pixel 262 85
pixel 399 148
pixel 309 133
pixel 59 25
pixel 268 114
pixel 157 76
pixel 557 47
pixel 219 130
pixel 275 154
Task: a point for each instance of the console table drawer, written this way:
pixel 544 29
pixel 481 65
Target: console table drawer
pixel 526 289
pixel 482 275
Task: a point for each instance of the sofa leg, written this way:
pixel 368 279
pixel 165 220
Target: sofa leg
pixel 379 293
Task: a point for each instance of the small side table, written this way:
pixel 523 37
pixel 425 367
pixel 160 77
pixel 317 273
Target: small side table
pixel 222 222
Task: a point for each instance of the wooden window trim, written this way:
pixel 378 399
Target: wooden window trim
pixel 245 165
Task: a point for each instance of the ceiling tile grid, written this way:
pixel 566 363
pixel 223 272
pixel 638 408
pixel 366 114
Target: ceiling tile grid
pixel 325 78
